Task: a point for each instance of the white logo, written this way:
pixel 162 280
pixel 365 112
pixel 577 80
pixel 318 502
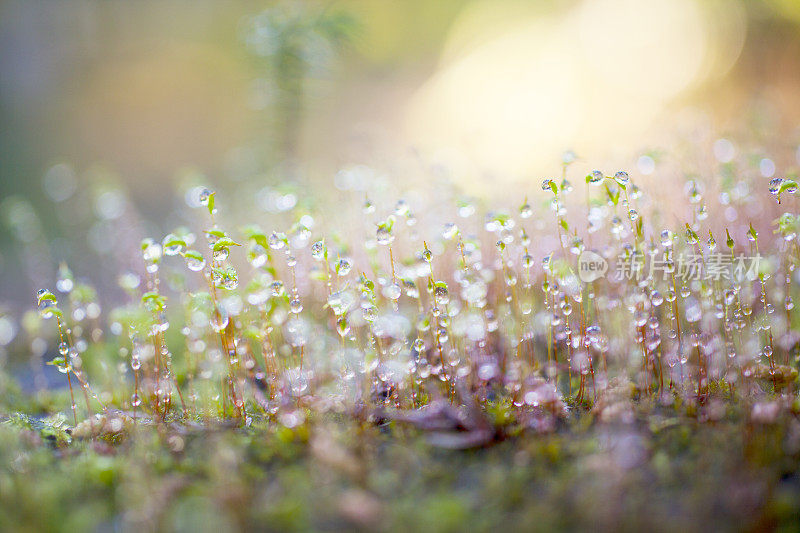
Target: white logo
pixel 591 266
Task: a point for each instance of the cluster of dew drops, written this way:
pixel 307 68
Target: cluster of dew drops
pixel 488 301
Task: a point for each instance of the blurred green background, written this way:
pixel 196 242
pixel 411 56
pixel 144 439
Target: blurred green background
pixel 109 110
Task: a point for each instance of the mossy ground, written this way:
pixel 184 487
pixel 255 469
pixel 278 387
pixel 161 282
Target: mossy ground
pixel 708 467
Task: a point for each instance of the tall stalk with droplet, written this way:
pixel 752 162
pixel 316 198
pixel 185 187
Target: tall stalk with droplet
pixel 48 308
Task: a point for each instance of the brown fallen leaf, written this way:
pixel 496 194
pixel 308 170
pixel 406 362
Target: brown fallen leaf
pixel 451 427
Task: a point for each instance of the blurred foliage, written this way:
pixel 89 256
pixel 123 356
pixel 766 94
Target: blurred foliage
pixel 292 44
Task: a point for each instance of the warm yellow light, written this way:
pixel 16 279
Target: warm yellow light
pixel 593 78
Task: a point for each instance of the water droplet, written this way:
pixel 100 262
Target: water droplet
pixel 195 262
pixel 616 225
pixel 401 208
pixel 666 238
pixel 204 196
pixel 342 326
pixel 656 299
pixel 344 266
pixel 296 306
pixel 230 282
pixel 340 302
pixel 277 288
pixel 410 288
pixel 576 246
pixel 172 245
pixel 441 294
pixel 383 235
pixel 221 254
pixel 219 320
pixel 318 250
pixel 640 317
pixel 257 256
pixel 450 231
pixel 369 311
pixel 693 311
pixel 277 240
pixel 527 260
pixel 46 308
pixel 730 296
pixel 596 177
pixel 691 236
pixel 151 251
pixel 392 291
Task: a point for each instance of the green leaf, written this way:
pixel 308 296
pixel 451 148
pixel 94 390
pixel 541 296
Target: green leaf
pixel 502 218
pixel 45 296
pixel 173 240
pixel 691 233
pixel 211 202
pixel 752 233
pixel 154 302
pixel 218 233
pixel 251 230
pixel 223 275
pixel 57 361
pixel 787 185
pixel 225 242
pixel 193 254
pixel 52 311
pixel 366 283
pixel 255 234
pixel 612 196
